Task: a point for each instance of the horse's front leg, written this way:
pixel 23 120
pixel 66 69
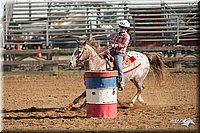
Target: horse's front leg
pixel 76 100
pixel 80 97
pixel 83 105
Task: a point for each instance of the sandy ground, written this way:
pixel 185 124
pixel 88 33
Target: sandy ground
pixel 165 110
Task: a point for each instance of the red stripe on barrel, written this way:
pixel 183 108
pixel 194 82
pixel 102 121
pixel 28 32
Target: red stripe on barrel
pixel 102 110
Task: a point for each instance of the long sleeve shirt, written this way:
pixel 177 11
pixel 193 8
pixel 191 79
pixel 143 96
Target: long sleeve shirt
pixel 122 39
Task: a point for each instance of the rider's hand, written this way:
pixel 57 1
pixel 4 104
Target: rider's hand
pixel 109 45
pixel 113 45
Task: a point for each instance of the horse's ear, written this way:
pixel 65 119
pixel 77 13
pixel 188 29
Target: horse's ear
pixel 86 41
pixel 78 42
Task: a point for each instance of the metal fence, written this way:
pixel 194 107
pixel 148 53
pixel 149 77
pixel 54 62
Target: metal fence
pixel 59 24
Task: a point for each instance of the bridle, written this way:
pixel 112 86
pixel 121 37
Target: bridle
pixel 88 59
pixel 81 53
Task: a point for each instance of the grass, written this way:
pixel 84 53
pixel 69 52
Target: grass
pixel 13 75
pixel 68 74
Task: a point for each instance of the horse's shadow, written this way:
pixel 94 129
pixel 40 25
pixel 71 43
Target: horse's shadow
pixel 29 110
pixel 42 117
pixel 125 106
pixel 30 113
pixel 34 109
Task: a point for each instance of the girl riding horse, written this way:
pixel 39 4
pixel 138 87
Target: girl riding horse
pixel 87 53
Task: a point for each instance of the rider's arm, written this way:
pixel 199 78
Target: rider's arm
pixel 125 41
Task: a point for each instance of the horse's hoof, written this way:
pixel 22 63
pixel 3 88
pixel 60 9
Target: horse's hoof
pixel 131 105
pixel 69 107
pixel 142 103
pixel 60 110
pixel 82 108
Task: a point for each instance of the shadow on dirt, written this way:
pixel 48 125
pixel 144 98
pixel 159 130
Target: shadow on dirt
pixel 43 117
pixel 59 113
pixel 37 110
pixel 32 109
pixel 123 107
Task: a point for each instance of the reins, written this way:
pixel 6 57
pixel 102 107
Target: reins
pixel 107 48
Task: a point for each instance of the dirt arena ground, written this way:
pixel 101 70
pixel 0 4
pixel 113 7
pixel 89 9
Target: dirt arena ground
pixel 45 92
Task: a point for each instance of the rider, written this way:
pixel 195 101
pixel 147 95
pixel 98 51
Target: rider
pixel 118 46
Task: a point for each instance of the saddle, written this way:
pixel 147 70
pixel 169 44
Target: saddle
pixel 109 60
pixel 127 60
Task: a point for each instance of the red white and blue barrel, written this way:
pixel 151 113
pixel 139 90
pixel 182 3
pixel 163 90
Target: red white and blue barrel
pixel 101 93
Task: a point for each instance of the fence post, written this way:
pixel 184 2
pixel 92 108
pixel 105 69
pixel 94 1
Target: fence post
pixel 177 36
pixel 90 29
pixel 178 64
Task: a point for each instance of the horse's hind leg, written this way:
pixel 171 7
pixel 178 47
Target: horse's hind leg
pixel 137 96
pixel 140 99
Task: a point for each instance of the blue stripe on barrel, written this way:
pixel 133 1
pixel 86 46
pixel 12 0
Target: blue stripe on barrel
pixel 97 83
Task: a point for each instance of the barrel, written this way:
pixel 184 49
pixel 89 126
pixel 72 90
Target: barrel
pixel 101 93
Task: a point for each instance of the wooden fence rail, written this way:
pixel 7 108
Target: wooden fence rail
pixel 69 51
pixel 171 61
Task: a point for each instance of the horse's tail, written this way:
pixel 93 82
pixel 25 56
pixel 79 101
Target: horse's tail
pixel 157 65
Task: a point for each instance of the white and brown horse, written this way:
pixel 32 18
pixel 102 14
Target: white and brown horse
pixel 87 53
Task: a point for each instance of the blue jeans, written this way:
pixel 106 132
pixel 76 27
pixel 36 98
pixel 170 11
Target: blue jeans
pixel 118 57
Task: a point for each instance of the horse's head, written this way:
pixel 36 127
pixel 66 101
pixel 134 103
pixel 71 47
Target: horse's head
pixel 80 54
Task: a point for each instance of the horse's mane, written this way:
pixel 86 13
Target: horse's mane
pixel 96 46
pixel 92 42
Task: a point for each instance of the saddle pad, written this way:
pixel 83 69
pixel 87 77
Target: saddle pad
pixel 131 64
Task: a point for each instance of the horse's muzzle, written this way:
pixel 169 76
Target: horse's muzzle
pixel 70 64
pixel 78 62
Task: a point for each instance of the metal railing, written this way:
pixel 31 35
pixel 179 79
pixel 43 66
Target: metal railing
pixel 58 22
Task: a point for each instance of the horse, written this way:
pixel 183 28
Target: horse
pixel 87 54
